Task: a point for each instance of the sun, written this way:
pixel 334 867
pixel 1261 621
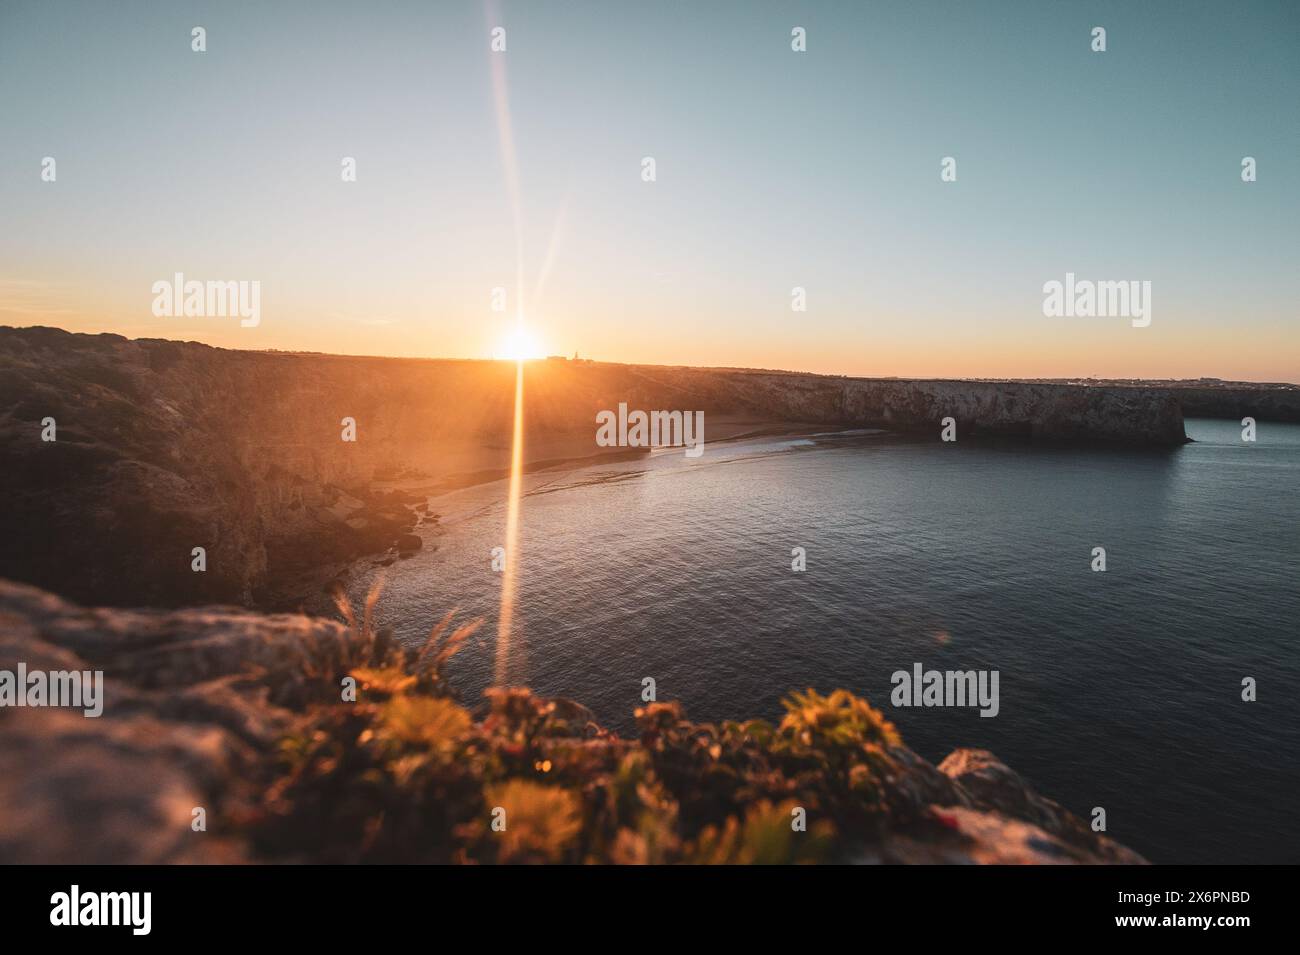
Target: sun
pixel 519 344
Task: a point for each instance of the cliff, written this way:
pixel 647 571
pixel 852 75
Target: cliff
pixel 166 446
pixel 240 715
pixel 1045 412
pixel 1236 401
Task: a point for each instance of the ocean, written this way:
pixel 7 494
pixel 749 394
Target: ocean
pixel 1119 689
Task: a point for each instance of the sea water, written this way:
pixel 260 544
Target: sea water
pixel 1119 689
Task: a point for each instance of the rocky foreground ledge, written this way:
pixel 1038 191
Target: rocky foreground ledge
pixel 240 715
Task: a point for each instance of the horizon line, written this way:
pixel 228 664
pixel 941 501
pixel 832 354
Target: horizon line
pixel 1068 379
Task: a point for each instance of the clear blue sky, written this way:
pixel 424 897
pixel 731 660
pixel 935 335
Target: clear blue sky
pixel 775 169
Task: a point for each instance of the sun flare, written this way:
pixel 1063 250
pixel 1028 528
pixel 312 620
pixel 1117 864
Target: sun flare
pixel 519 344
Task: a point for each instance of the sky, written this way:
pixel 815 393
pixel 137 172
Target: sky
pixel 775 169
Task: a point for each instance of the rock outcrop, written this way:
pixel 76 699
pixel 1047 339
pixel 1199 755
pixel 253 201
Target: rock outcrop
pixel 1044 412
pixel 1271 403
pixel 239 715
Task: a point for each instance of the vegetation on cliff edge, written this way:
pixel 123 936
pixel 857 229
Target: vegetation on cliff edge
pixel 407 774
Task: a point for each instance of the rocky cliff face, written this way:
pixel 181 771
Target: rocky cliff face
pixel 166 446
pixel 1274 403
pixel 240 715
pixel 1046 412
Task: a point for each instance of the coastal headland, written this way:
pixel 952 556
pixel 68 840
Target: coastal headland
pixel 163 446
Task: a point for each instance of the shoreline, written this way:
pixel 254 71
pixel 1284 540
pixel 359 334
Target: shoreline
pixel 434 506
pixel 311 591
